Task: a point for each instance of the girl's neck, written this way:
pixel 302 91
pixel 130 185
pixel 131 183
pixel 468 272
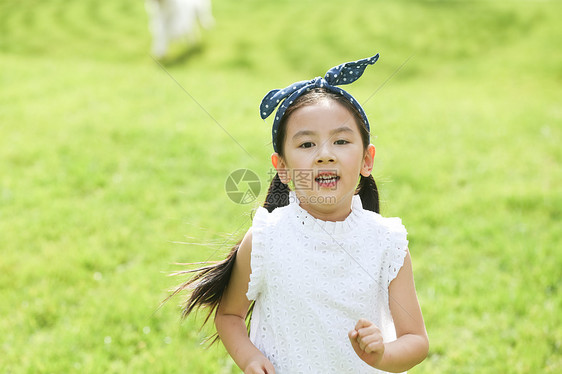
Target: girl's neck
pixel 327 212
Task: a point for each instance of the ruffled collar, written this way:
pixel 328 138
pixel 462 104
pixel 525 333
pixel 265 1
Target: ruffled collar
pixel 309 223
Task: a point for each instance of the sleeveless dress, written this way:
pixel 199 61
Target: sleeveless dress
pixel 312 280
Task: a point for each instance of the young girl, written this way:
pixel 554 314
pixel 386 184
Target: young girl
pixel 330 279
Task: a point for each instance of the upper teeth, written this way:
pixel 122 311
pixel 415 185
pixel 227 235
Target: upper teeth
pixel 326 177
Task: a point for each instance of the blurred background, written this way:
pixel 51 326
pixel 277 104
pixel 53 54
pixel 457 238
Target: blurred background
pixel 113 166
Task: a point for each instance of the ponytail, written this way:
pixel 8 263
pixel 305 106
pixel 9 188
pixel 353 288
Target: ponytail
pixel 277 195
pixel 207 287
pixel 208 283
pixel 369 193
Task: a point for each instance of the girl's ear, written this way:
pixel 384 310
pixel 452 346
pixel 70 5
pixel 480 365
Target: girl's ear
pixel 281 167
pixel 368 161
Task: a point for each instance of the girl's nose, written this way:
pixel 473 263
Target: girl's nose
pixel 325 155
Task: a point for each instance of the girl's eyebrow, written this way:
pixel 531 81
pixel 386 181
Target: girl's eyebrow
pixel 332 133
pixel 303 133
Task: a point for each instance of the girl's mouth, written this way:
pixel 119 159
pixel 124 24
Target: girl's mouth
pixel 327 180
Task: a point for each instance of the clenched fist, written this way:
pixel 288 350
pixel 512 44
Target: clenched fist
pixel 367 342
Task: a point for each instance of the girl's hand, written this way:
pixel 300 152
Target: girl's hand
pixel 367 342
pixel 259 366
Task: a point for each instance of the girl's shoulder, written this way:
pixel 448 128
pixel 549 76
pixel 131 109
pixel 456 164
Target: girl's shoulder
pixel 390 228
pixel 263 217
pixel 392 225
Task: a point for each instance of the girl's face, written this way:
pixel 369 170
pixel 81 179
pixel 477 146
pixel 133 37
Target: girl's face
pixel 324 156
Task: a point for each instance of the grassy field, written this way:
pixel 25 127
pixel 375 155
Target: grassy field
pixel 108 168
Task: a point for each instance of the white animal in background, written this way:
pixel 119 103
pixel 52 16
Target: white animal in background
pixel 173 19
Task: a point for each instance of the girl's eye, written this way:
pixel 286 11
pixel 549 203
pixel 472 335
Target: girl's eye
pixel 306 145
pixel 341 141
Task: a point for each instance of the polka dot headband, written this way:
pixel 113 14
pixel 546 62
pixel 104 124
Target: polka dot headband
pixel 338 75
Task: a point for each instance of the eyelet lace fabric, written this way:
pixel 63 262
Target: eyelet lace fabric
pixel 312 280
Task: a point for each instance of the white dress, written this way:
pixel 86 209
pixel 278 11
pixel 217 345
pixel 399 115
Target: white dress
pixel 312 280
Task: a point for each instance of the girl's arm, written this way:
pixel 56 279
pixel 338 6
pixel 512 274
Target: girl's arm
pixel 412 344
pixel 231 315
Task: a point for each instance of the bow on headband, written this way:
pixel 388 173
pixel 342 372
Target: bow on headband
pixel 345 73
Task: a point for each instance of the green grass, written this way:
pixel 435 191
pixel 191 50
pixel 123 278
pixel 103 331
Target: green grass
pixel 107 164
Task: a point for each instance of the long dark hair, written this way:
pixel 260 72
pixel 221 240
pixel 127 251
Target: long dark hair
pixel 208 283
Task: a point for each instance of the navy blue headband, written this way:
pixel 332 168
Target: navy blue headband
pixel 338 75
